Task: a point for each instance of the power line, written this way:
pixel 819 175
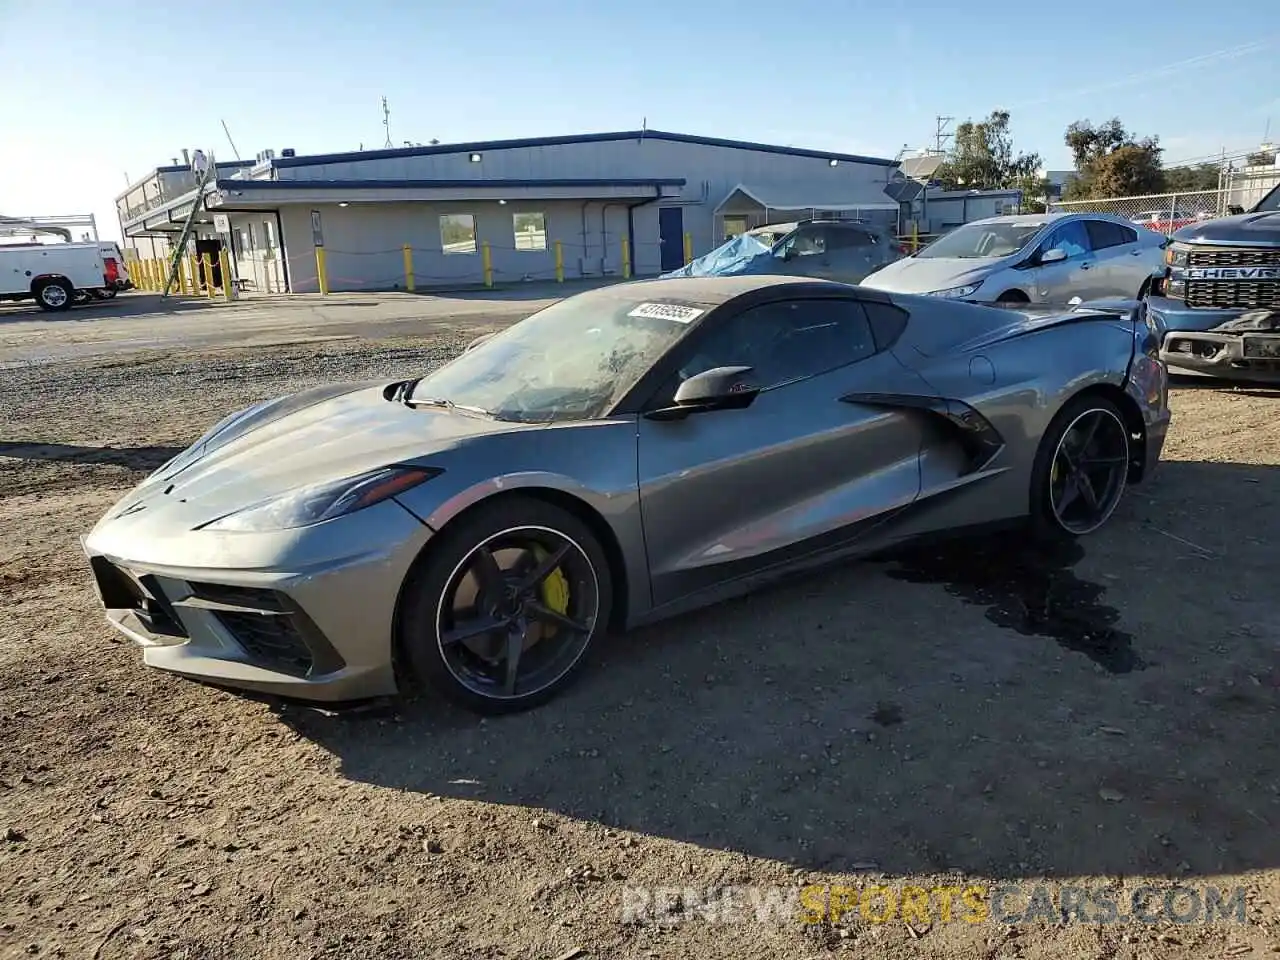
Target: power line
pixel 1176 66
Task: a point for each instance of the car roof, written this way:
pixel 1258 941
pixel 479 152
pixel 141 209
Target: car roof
pixel 1043 219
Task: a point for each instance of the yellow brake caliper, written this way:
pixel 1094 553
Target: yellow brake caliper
pixel 555 589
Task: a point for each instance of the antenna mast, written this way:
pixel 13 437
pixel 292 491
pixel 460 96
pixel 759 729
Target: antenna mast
pixel 386 121
pixel 941 133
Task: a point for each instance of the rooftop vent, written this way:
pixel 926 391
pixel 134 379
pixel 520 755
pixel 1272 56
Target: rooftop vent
pixel 288 152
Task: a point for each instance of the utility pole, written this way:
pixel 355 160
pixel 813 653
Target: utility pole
pixel 386 121
pixel 942 133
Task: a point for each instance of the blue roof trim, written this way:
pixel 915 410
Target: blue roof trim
pixel 439 184
pixel 479 146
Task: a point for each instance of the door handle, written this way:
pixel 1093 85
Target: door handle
pixel 1086 265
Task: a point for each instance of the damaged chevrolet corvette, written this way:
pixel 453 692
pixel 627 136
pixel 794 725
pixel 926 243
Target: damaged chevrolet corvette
pixel 619 457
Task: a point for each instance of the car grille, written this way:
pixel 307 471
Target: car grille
pixel 273 641
pixel 123 590
pixel 1234 257
pixel 1246 294
pixel 269 628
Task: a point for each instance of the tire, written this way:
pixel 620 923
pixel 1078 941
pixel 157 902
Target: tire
pixel 1052 502
pixel 473 672
pixel 55 295
pixel 1013 296
pixel 109 293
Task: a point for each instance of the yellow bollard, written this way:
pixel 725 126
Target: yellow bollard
pixel 155 275
pixel 322 273
pixel 208 274
pixel 184 276
pixel 688 248
pixel 486 260
pixel 559 262
pixel 626 259
pixel 194 261
pixel 147 283
pixel 408 268
pixel 915 238
pixel 224 264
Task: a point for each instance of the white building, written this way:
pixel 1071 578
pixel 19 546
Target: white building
pixel 522 200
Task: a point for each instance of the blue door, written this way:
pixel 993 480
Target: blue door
pixel 671 236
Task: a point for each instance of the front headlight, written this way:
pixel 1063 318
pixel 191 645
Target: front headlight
pixel 1176 255
pixel 956 293
pixel 318 502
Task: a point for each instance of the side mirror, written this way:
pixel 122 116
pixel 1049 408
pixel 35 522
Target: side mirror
pixel 1056 255
pixel 476 342
pixel 1235 210
pixel 721 388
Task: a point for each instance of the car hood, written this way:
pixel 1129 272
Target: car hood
pixel 308 440
pixel 925 275
pixel 1263 228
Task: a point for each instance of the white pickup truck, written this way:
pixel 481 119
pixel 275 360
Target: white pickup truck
pixel 55 275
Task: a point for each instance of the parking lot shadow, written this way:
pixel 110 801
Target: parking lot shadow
pixel 960 707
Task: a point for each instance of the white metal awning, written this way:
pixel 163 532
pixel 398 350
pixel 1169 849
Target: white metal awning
pixel 784 197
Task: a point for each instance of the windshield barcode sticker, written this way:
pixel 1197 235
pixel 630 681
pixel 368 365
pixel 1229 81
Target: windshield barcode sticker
pixel 667 311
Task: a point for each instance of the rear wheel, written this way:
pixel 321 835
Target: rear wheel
pixel 55 295
pixel 1080 470
pixel 500 614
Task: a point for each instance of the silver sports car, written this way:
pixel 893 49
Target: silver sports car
pixel 620 456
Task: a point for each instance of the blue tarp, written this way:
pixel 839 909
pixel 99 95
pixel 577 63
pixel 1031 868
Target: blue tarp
pixel 743 254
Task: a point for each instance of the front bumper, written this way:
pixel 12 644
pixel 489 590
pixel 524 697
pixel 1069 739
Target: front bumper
pixel 319 629
pixel 1192 342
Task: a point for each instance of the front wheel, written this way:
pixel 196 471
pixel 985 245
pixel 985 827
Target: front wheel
pixel 1080 470
pixel 500 613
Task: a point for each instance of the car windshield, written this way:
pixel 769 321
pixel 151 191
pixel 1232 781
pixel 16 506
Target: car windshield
pixel 1270 203
pixel 977 241
pixel 571 361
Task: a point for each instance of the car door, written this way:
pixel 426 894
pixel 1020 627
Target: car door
pixel 805 251
pixel 1124 263
pixel 851 256
pixel 729 493
pixel 1058 282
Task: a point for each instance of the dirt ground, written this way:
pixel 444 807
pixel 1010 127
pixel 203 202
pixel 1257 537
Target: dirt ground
pixel 972 715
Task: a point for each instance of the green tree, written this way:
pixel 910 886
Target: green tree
pixel 1202 176
pixel 983 158
pixel 1112 162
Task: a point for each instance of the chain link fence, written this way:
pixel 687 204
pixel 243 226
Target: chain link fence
pixel 1168 212
pixel 1161 212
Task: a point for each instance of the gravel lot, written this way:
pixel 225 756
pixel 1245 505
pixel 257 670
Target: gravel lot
pixel 974 714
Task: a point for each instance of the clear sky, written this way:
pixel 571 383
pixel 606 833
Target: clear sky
pixel 129 84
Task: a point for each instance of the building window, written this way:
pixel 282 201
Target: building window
pixel 530 230
pixel 734 226
pixel 458 233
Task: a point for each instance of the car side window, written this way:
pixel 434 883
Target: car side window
pixel 787 341
pixel 847 238
pixel 809 241
pixel 1071 238
pixel 1104 234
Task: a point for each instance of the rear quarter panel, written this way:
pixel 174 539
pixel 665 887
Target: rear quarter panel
pixel 1019 384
